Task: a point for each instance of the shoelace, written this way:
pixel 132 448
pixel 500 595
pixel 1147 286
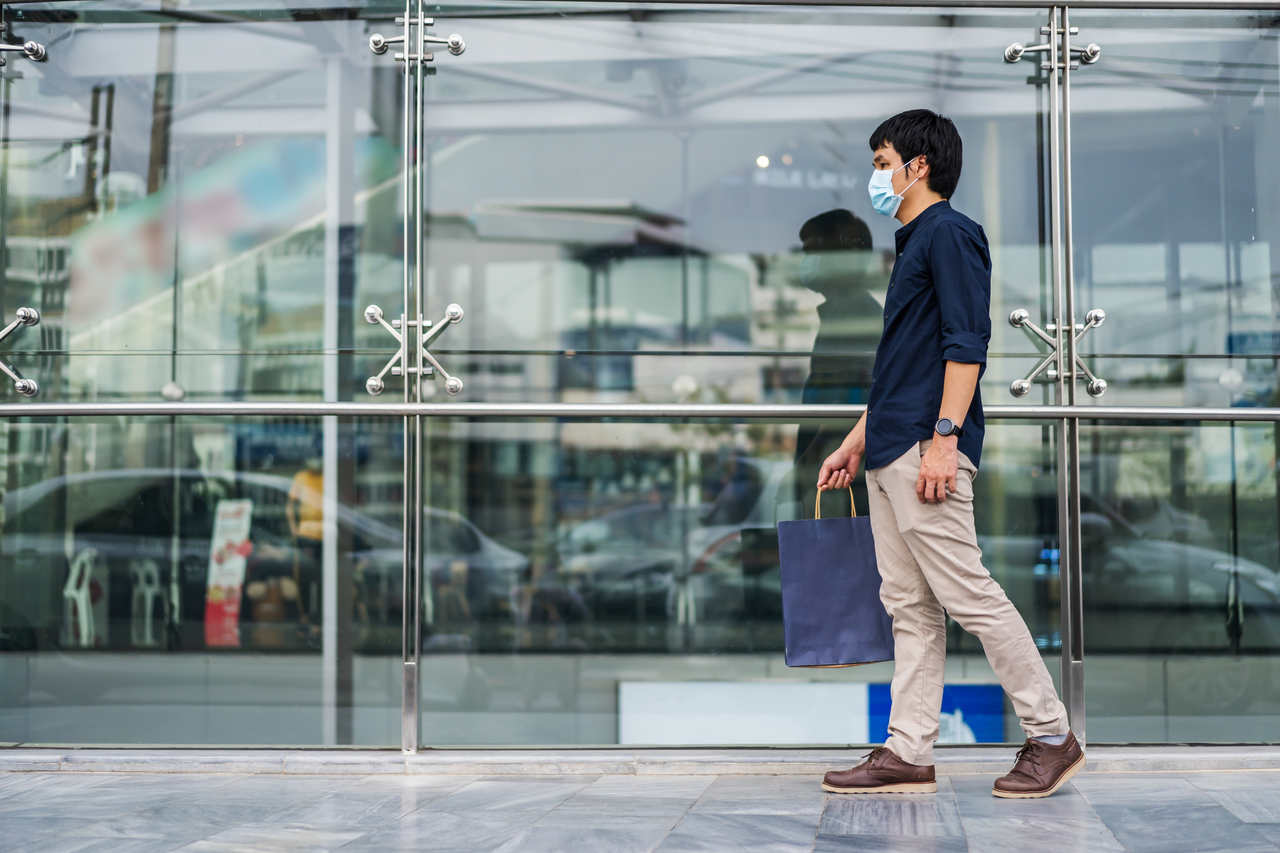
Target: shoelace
pixel 1031 752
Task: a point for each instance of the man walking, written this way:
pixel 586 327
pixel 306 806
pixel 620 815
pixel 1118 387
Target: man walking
pixel 921 436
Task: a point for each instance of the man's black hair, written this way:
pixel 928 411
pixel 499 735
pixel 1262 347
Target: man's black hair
pixel 917 132
pixel 836 230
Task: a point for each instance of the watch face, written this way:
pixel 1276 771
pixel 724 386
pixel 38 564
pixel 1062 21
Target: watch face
pixel 944 426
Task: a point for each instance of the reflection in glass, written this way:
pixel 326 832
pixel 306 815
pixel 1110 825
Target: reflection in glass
pixel 153 570
pixel 677 278
pixel 1184 266
pixel 1181 580
pixel 606 554
pixel 186 203
pixel 837 264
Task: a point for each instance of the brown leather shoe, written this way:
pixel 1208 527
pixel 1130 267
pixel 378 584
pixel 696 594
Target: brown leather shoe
pixel 1041 768
pixel 883 772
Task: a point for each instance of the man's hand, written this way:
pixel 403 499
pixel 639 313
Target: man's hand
pixel 839 469
pixel 938 470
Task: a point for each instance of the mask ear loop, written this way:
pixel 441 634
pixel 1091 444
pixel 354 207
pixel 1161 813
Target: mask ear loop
pixel 913 183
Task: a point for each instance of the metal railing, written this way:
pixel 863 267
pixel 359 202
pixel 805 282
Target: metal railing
pixel 699 411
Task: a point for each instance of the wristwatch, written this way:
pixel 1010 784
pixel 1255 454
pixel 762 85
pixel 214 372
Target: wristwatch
pixel 946 426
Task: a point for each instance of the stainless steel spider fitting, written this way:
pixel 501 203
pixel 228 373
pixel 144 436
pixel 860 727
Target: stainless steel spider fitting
pixel 1088 54
pixel 398 364
pixel 379 43
pixel 24 317
pixel 1021 319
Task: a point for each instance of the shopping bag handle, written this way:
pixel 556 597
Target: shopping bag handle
pixel 817 504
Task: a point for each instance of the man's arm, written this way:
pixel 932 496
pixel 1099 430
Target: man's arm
pixel 958 386
pixel 962 281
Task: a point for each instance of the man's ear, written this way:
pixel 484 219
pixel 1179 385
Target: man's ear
pixel 922 166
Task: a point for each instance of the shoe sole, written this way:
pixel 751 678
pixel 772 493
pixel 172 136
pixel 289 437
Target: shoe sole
pixel 898 788
pixel 1032 795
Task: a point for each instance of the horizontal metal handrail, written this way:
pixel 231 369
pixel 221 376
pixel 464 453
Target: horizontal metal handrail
pixel 579 411
pixel 374 13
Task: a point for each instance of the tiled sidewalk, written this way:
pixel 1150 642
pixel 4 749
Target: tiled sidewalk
pixel 1194 811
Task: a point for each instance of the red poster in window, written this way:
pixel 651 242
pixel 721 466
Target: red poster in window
pixel 228 549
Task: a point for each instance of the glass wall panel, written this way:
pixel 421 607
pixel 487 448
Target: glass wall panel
pixel 199 206
pixel 164 581
pixel 575 570
pixel 1177 220
pixel 1181 581
pixel 672 206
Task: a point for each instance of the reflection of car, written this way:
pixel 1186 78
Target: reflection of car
pixel 1142 593
pixel 653 563
pixel 622 565
pixel 94 554
pixel 1145 591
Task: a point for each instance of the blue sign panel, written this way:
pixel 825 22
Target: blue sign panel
pixel 971 713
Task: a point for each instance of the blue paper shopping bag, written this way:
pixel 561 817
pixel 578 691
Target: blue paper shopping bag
pixel 831 610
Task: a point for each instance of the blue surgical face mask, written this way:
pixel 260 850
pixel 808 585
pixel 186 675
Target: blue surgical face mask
pixel 880 188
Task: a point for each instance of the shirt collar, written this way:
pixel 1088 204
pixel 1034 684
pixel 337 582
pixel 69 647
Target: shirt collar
pixel 904 233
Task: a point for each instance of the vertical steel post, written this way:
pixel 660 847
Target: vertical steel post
pixel 1071 585
pixel 417 49
pixel 410 597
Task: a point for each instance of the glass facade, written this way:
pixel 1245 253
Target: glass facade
pixel 635 204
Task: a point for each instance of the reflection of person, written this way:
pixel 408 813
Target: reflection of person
pixel 837 246
pixel 304 510
pixel 920 469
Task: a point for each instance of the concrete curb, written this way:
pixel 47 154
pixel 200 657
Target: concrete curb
pixel 628 762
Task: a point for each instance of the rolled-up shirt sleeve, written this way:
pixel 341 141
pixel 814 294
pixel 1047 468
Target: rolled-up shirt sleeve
pixel 961 267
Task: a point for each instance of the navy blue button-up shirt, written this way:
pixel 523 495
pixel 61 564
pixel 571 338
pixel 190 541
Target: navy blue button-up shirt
pixel 938 309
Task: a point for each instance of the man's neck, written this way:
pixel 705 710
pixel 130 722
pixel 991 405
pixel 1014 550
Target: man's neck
pixel 913 207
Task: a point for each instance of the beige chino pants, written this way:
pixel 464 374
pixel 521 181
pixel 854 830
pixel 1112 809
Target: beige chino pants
pixel 929 560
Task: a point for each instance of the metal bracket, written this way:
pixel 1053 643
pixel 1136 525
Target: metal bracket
pixel 379 43
pixel 1088 54
pixel 398 364
pixel 1021 319
pixel 30 49
pixel 24 317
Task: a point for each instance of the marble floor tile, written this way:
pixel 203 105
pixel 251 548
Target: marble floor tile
pixel 1250 806
pixel 1176 827
pixel 104 845
pixel 889 844
pixel 506 794
pixel 720 832
pixel 762 796
pixel 891 814
pixel 21 831
pixel 367 812
pixel 561 818
pixel 130 826
pixel 1236 811
pixel 588 805
pixel 662 787
pixel 274 837
pixel 974 799
pixel 557 839
pixel 200 811
pixel 1138 788
pixel 1270 831
pixel 426 822
pixel 1228 780
pixel 1037 832
pixel 414 782
pixel 447 832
